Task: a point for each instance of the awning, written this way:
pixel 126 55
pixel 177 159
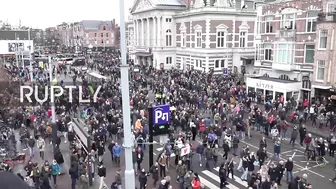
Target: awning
pixel 321 87
pixel 248 57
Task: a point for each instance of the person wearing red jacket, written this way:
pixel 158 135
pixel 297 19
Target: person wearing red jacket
pixel 202 127
pixel 196 183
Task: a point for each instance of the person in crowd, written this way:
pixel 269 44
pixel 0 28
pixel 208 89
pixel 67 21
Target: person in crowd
pixel 101 174
pixel 116 154
pixel 55 171
pixel 73 172
pixel 222 176
pixel 154 170
pixel 31 146
pixel 41 147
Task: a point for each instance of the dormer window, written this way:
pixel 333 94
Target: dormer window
pixel 104 27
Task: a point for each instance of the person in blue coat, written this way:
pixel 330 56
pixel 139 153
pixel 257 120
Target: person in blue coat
pixel 55 171
pixel 277 150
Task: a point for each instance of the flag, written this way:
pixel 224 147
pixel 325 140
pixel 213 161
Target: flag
pixel 91 89
pixel 41 64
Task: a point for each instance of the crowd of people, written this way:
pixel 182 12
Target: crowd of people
pixel 217 109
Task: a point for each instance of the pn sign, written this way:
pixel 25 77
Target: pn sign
pixel 161 115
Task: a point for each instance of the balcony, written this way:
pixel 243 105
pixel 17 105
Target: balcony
pixel 285 67
pixel 326 17
pixel 285 33
pixel 143 49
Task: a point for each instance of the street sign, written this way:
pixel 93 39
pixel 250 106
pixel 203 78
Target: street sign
pixel 225 71
pixel 161 115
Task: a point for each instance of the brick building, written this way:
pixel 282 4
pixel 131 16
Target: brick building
pixel 203 35
pixel 324 77
pixel 101 35
pixel 285 49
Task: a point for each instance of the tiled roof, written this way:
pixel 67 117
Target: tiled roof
pixel 168 2
pixel 94 24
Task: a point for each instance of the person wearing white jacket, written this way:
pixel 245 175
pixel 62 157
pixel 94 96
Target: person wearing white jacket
pixel 41 147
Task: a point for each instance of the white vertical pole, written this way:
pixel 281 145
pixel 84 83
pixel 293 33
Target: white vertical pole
pixel 16 53
pixel 52 104
pixel 30 59
pixel 128 143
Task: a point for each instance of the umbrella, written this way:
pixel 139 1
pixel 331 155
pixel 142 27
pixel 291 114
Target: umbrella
pixel 12 181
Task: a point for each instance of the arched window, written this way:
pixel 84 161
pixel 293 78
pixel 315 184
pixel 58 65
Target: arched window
pixel 168 38
pixel 284 77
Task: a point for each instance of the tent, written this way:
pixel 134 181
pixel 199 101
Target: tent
pixel 12 181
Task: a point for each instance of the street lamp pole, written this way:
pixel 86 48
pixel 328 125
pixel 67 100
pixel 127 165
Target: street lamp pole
pixel 30 59
pixel 52 103
pixel 128 143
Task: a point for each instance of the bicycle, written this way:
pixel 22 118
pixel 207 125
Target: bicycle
pixel 308 154
pixel 321 161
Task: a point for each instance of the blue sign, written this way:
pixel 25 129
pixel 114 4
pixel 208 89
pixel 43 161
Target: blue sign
pixel 225 71
pixel 161 115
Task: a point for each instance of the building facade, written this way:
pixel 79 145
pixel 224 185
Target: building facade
pixel 203 35
pixel 130 39
pixel 324 76
pixel 65 34
pixel 285 49
pixel 100 35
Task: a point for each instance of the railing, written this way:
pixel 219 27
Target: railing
pixel 326 17
pixel 286 33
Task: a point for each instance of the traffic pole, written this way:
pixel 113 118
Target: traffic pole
pixel 53 112
pixel 124 70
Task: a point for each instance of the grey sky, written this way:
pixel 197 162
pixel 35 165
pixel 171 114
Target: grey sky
pixel 44 13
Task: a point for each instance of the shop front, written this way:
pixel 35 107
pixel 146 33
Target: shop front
pixel 267 88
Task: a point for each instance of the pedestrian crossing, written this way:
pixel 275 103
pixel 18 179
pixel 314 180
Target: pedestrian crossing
pixel 211 180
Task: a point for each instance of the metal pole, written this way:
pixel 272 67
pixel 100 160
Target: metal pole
pixel 53 112
pixel 128 143
pixel 16 53
pixel 30 60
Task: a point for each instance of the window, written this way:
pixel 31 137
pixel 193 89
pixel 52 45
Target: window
pixel 268 24
pixel 287 21
pixel 102 41
pixel 311 22
pixel 220 64
pixel 309 53
pixel 169 60
pixel 198 63
pixel 107 42
pixel 198 38
pixel 168 20
pixel 323 39
pixel 95 34
pixel 268 52
pixel 242 39
pixel 284 53
pixel 183 38
pixel 331 7
pixel 168 38
pixel 320 70
pixel 107 34
pixel 221 39
pixel 101 35
pixel 104 27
